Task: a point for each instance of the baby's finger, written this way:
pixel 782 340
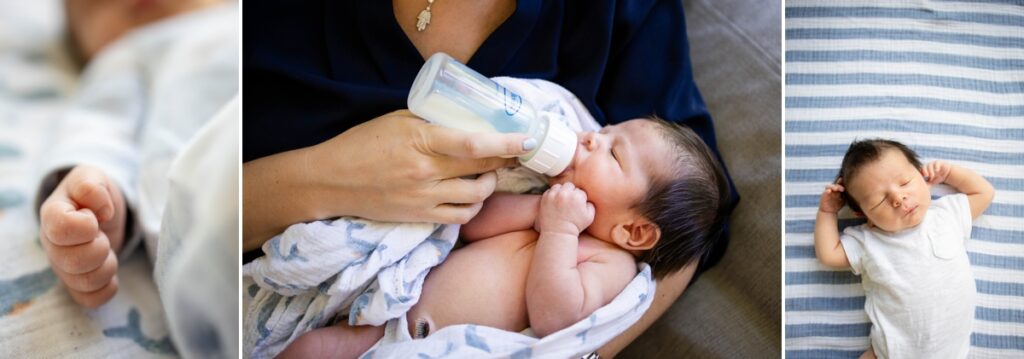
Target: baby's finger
pixel 78 259
pixel 88 188
pixel 95 298
pixel 63 225
pixel 94 280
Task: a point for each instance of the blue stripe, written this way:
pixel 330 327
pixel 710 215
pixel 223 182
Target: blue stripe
pixel 793 252
pixel 824 354
pixel 862 78
pixel 894 34
pixel 824 303
pixel 807 225
pixel 999 315
pixel 827 330
pixel 905 57
pixel 997 341
pixel 9 151
pixel 828 175
pixel 890 13
pixel 993 261
pixel 995 209
pixel 997 235
pixel 821 277
pixel 925 103
pixel 1000 288
pixel 898 125
pixel 946 153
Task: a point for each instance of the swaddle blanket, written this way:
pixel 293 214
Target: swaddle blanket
pixel 374 271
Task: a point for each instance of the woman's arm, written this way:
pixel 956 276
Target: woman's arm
pixel 666 293
pixel 393 168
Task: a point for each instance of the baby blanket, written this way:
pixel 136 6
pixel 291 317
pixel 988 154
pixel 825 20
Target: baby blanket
pixel 374 271
pixel 947 79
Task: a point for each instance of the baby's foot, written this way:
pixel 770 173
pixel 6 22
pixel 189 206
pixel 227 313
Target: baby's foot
pixel 82 228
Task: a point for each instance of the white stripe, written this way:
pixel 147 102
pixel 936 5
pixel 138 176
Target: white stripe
pixel 836 343
pixel 799 239
pixel 972 7
pixel 923 46
pixel 952 141
pixel 905 24
pixel 999 302
pixel 809 265
pixel 827 317
pixel 996 274
pixel 848 67
pixel 998 249
pixel 996 328
pixel 991 353
pixel 906 91
pixel 824 290
pixel 916 114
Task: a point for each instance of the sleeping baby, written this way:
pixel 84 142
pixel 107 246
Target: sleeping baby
pixel 911 253
pixel 643 190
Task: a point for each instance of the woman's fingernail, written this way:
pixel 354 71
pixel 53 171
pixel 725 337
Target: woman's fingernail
pixel 529 144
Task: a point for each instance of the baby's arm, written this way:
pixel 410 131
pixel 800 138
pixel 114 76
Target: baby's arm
pixel 826 228
pixel 502 213
pixel 561 290
pixel 978 190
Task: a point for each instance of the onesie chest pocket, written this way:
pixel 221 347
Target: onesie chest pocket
pixel 946 240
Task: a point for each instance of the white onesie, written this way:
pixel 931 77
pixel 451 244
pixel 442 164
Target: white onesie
pixel 918 283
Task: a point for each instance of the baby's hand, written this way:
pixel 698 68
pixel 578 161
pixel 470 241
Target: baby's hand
pixel 831 201
pixel 936 172
pixel 82 227
pixel 564 209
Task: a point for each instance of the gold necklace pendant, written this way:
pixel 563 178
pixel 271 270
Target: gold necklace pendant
pixel 424 17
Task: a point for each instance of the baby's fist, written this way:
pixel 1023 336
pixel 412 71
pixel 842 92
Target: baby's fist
pixel 564 209
pixel 82 225
pixel 936 172
pixel 831 200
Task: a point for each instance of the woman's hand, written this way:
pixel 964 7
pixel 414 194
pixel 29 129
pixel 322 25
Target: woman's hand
pixel 396 167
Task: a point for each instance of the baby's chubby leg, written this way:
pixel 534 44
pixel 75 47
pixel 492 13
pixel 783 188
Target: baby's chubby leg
pixel 337 341
pixel 82 227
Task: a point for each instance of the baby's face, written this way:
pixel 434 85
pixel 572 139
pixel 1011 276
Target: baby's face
pixel 615 168
pixel 891 192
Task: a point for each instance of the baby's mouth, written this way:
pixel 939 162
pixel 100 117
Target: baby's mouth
pixel 910 211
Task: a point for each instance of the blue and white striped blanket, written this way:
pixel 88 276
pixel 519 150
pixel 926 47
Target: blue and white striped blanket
pixel 945 78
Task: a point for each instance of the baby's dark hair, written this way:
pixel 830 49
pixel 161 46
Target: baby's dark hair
pixel 689 205
pixel 863 152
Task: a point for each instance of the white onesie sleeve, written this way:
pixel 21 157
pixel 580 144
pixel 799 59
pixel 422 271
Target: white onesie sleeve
pixel 852 240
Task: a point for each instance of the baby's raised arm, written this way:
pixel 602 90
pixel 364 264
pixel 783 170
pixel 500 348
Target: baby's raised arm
pixel 826 228
pixel 502 213
pixel 978 190
pixel 561 288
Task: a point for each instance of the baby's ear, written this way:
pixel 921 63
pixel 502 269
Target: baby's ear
pixel 640 234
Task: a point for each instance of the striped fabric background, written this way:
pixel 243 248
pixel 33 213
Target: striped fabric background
pixel 947 79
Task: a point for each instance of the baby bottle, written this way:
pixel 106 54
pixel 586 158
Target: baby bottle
pixel 450 94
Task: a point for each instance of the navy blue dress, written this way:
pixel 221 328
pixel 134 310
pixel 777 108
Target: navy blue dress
pixel 314 68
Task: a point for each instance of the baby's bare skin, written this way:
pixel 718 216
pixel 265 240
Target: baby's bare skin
pixel 82 225
pixel 499 265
